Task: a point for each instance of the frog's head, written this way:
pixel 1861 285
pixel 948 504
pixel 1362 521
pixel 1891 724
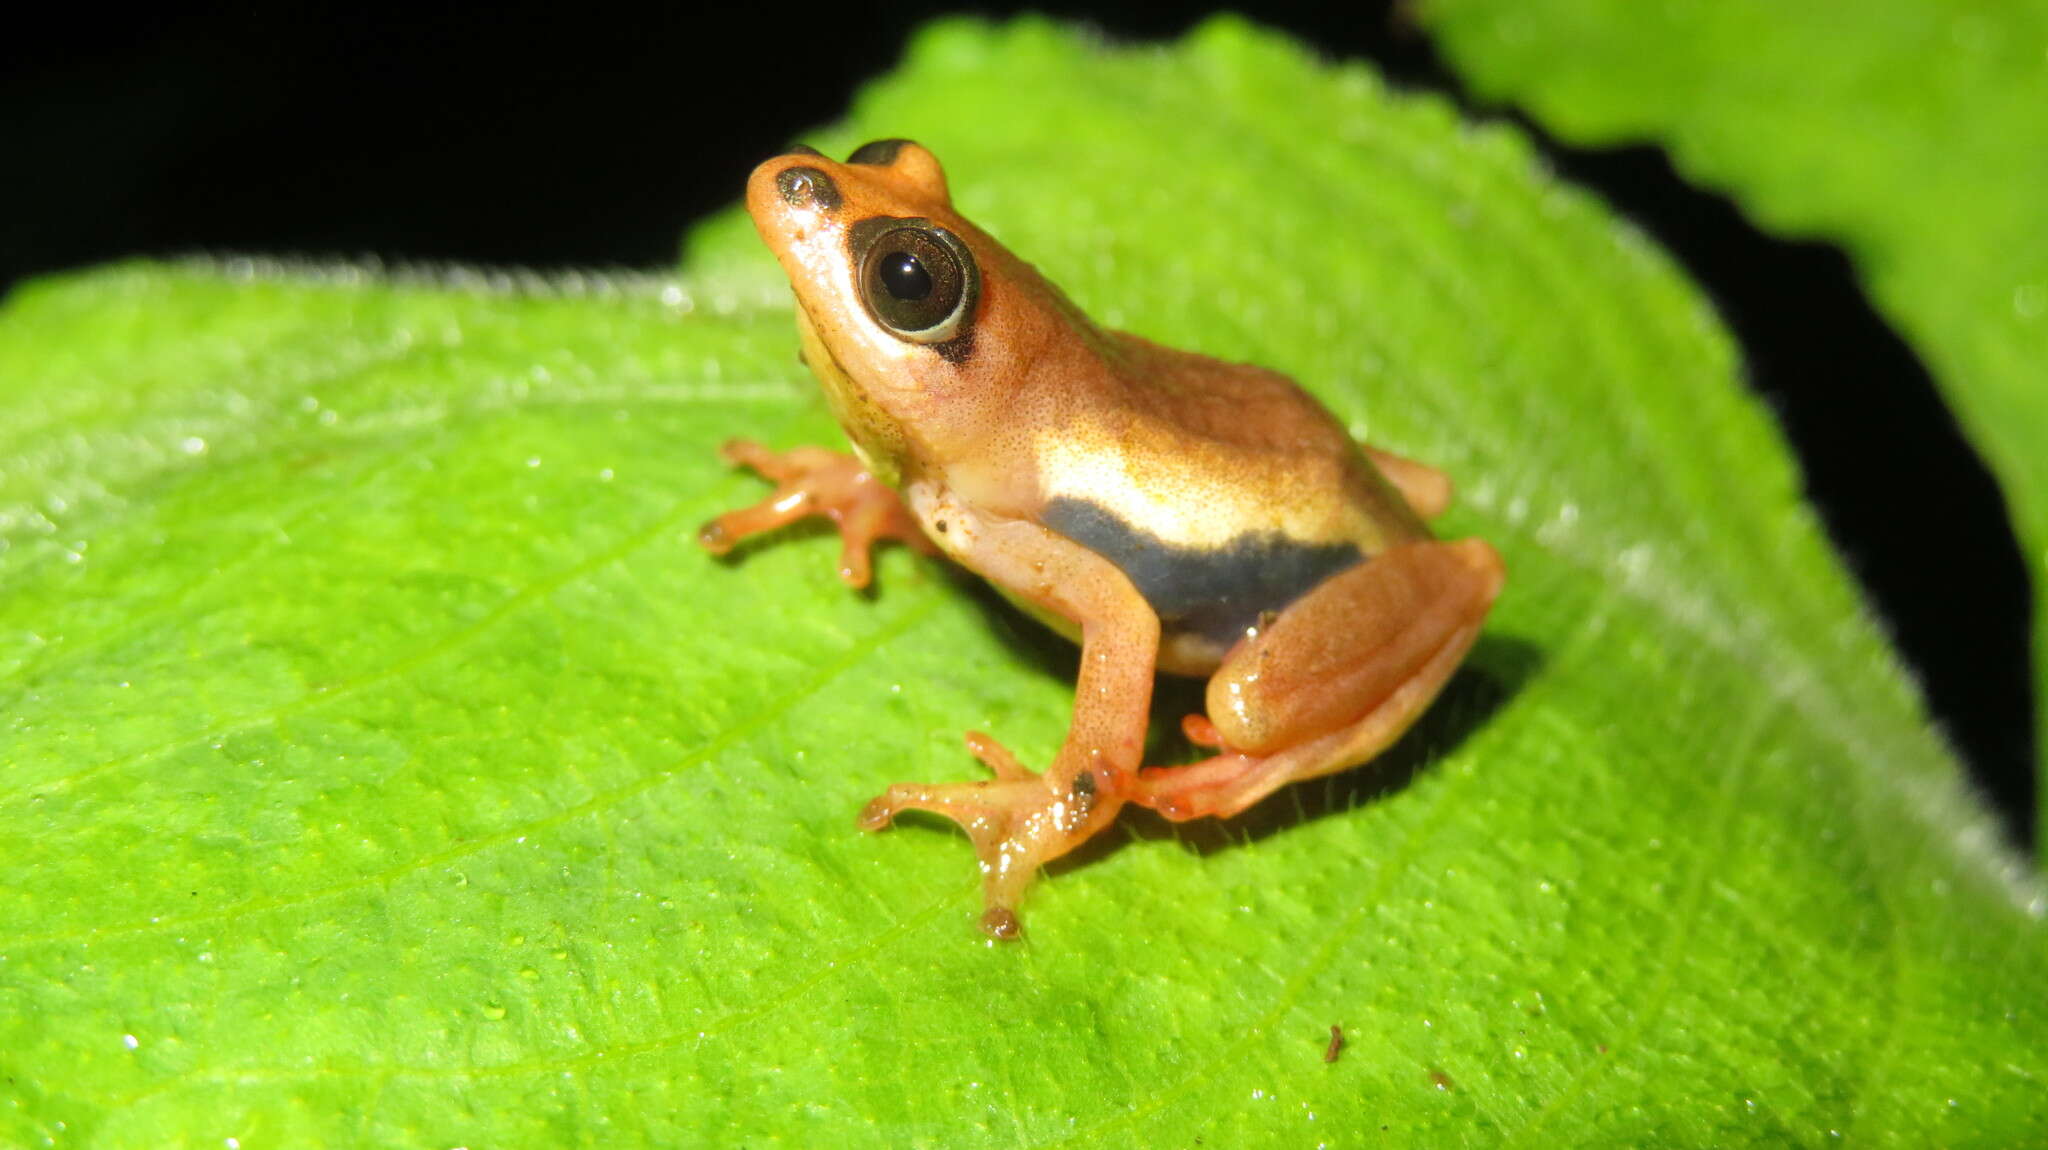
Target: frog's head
pixel 898 297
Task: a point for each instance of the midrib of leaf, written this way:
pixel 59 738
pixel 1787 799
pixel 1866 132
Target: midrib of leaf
pixel 1901 763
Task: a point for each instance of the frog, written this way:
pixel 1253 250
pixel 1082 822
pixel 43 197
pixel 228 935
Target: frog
pixel 1170 512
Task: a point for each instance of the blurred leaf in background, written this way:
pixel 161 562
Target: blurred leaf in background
pixel 385 766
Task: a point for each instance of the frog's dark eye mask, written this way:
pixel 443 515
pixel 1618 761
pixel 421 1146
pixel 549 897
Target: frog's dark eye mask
pixel 917 280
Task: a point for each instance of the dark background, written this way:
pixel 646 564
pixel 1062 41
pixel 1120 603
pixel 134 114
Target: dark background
pixel 568 134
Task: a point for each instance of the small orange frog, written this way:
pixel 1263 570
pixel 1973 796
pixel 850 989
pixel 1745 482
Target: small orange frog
pixel 1169 511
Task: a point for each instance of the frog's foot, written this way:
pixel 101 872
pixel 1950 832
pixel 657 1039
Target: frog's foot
pixel 816 481
pixel 1018 822
pixel 1334 680
pixel 1221 785
pixel 1215 786
pixel 1232 782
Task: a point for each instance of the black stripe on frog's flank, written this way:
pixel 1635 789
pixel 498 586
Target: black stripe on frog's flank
pixel 807 187
pixel 1217 593
pixel 877 152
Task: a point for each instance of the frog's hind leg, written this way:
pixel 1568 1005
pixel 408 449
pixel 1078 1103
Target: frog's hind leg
pixel 1426 489
pixel 1334 680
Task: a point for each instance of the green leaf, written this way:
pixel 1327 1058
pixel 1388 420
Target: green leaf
pixel 1912 132
pixel 384 765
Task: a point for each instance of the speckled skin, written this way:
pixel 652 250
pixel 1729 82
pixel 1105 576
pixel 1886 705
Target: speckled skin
pixel 1169 511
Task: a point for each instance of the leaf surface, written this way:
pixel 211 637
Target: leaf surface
pixel 1912 132
pixel 386 766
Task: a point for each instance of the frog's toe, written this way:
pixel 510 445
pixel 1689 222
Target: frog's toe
pixel 997 758
pixel 877 815
pixel 983 809
pixel 1016 825
pixel 1194 790
pixel 1197 729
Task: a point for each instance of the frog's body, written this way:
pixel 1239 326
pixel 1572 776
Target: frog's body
pixel 1216 488
pixel 1169 511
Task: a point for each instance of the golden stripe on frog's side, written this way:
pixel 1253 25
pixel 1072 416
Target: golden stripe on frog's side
pixel 1196 495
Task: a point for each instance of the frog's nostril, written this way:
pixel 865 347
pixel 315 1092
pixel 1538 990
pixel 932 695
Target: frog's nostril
pixel 807 187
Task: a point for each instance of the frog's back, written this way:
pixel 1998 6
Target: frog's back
pixel 1223 491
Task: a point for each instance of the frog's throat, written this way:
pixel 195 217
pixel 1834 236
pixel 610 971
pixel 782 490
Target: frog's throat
pixel 877 439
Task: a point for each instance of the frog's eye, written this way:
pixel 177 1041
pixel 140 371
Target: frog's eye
pixel 918 282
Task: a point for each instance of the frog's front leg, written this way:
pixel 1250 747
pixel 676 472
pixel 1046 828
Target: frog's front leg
pixel 816 481
pixel 1021 820
pixel 1334 679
